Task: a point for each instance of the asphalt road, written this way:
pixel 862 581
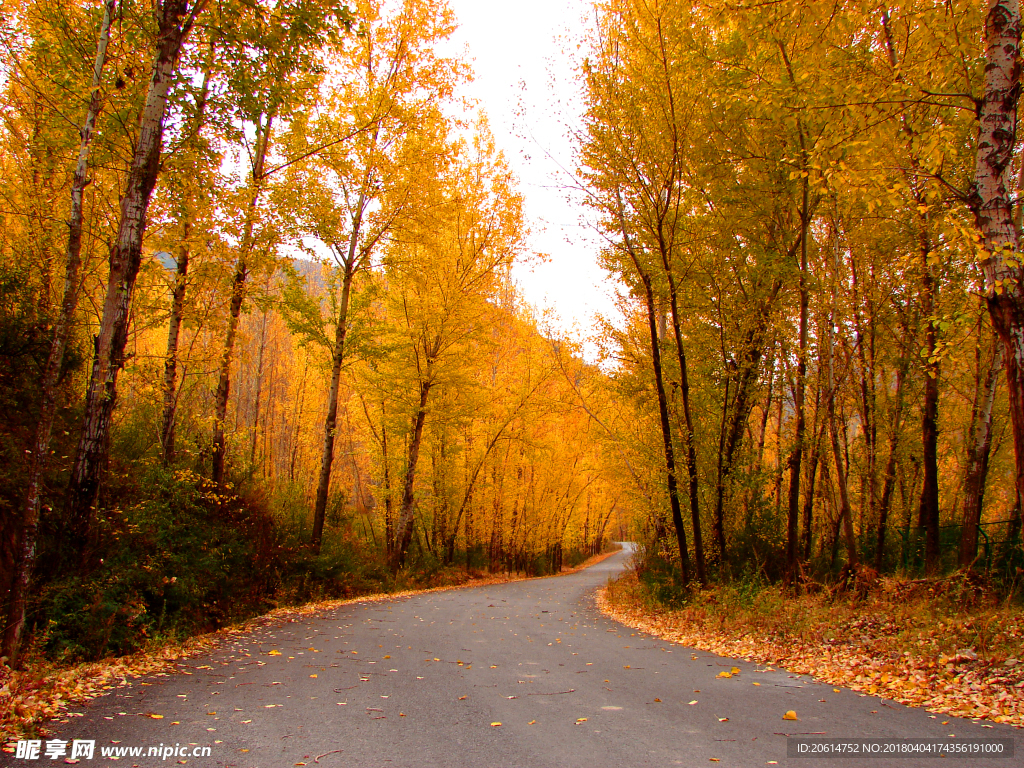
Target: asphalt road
pixel 518 675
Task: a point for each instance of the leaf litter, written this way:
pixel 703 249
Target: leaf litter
pixel 854 654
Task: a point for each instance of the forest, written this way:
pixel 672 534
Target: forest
pixel 260 342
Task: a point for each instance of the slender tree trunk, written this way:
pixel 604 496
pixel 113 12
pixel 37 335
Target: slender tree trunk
pixel 170 391
pixel 258 398
pixel 27 534
pixel 170 385
pixel 389 515
pixel 991 202
pixel 174 23
pixel 690 441
pixel 889 479
pixel 237 297
pixel 349 267
pixel 406 513
pixel 928 512
pixel 979 445
pixel 300 401
pixel 865 347
pixel 846 511
pixel 796 457
pixel 659 381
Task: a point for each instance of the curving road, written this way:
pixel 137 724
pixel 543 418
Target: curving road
pixel 423 681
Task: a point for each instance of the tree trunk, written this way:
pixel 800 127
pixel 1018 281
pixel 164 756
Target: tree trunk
pixel 258 397
pixel 175 22
pixel 889 480
pixel 796 457
pixel 979 444
pixel 690 437
pixel 846 512
pixel 991 202
pixel 928 512
pixel 659 381
pixel 349 267
pixel 237 297
pixel 27 533
pixel 403 529
pixel 170 393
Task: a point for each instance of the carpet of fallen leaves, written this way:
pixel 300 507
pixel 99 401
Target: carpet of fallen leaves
pixel 896 649
pixel 45 690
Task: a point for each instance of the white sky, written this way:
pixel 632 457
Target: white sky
pixel 522 56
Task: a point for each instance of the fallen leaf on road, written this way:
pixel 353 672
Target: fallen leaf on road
pixel 155 717
pixel 658 700
pixel 756 683
pixel 495 724
pixel 274 653
pixel 790 715
pixel 735 670
pixel 312 675
pixel 531 722
pixel 723 719
pixel 693 702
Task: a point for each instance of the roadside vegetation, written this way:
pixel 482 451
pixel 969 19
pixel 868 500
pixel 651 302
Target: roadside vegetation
pixel 953 645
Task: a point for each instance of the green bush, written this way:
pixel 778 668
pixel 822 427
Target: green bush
pixel 181 559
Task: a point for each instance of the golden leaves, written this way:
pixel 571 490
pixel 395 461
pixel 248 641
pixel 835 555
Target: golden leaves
pixel 790 715
pixel 967 687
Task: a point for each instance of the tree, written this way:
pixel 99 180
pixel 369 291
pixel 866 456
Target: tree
pixel 175 20
pixel 39 455
pixel 442 270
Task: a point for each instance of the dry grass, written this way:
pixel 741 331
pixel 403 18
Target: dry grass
pixel 942 645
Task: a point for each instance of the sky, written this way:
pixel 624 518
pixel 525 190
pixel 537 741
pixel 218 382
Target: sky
pixel 522 55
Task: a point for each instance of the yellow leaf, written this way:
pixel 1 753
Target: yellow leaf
pixel 274 653
pixel 387 657
pixel 531 722
pixel 156 717
pixel 312 675
pixel 735 670
pixel 723 719
pixel 724 674
pixel 495 724
pixel 581 719
pixel 693 702
pixel 790 715
pixel 835 690
pixel 658 700
pixel 756 683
